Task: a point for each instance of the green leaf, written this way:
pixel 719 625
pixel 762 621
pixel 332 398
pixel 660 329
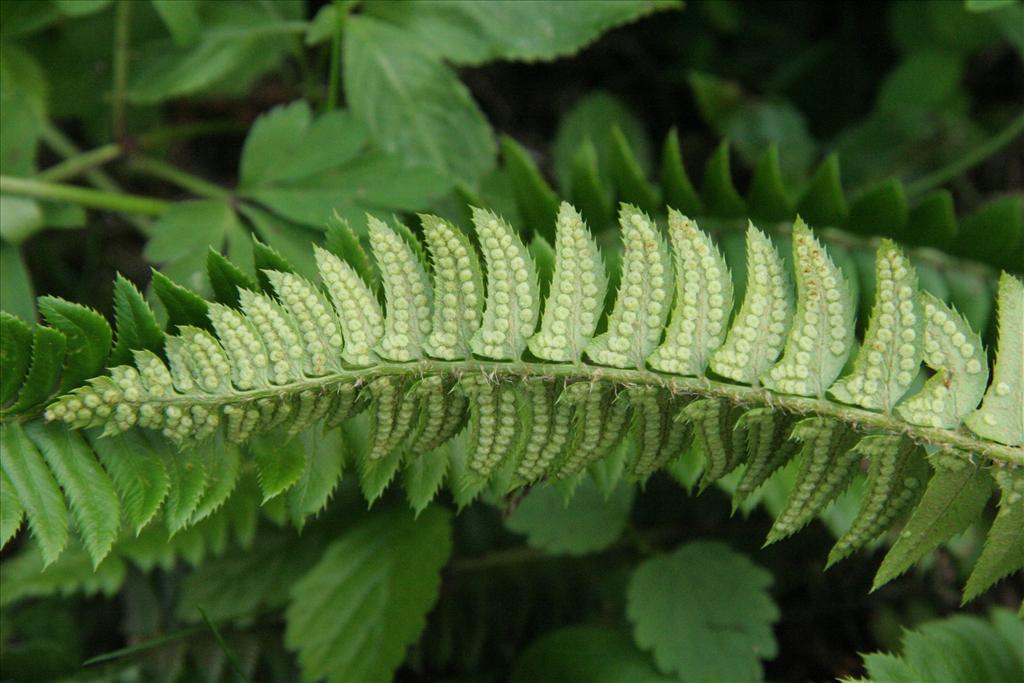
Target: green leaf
pixel 88 338
pixel 184 307
pixel 628 177
pixel 138 473
pixel 226 278
pixel 11 511
pixel 181 17
pixel 17 296
pixel 1001 415
pixel 954 499
pixel 586 188
pixel 15 354
pixel 879 210
pixel 423 477
pixel 538 203
pixel 705 612
pixel 675 181
pixel 474 33
pixel 588 523
pixel 932 222
pixel 353 615
pixel 26 575
pixel 48 347
pixel 1004 546
pixel 987 5
pixel 136 325
pixel 322 469
pixel 342 241
pixel 718 192
pixel 184 234
pixel 823 202
pixel 768 199
pixel 586 654
pixel 413 103
pixel 994 233
pixel 266 257
pixel 223 467
pixel 38 492
pixel 94 505
pixel 279 463
pixel 187 474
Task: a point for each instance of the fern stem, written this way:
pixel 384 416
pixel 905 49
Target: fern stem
pixel 856 418
pixel 122 27
pixel 966 162
pixel 81 163
pixel 94 199
pixel 176 176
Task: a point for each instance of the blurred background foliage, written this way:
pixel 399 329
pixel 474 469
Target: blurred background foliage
pixel 139 134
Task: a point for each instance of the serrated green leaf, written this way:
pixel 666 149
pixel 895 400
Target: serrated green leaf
pixel 1001 416
pixel 717 192
pixel 138 474
pixel 422 478
pixel 823 202
pixel 585 653
pixel 577 292
pixel 890 356
pixel 720 629
pixel 507 324
pixel 353 615
pixel 954 499
pixel 821 335
pixel 38 492
pixel 88 338
pixel 184 234
pixel 226 278
pixel 588 523
pixel 879 210
pixel 932 222
pixel 994 233
pixel 342 241
pixel 675 182
pixel 136 325
pixel 1003 553
pixel 279 463
pixel 266 257
pixel 646 286
pixel 183 306
pixel 543 255
pixel 322 471
pixel 538 203
pixel 95 508
pixel 628 177
pixel 11 511
pixel 407 292
pixel 586 187
pixel 15 354
pixel 26 575
pixel 458 289
pixel 44 373
pixel 700 318
pixel 223 467
pixel 188 479
pixel 768 199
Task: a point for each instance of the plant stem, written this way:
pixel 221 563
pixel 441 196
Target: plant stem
pixel 341 10
pixel 183 179
pixel 94 199
pixel 63 146
pixel 122 26
pixel 78 164
pixel 968 161
pixel 183 131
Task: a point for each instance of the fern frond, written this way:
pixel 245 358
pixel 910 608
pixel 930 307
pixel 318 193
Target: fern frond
pixel 281 366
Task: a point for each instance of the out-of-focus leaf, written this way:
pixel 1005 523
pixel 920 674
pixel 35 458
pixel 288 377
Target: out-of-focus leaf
pixel 181 17
pixel 183 235
pixel 17 295
pixel 585 654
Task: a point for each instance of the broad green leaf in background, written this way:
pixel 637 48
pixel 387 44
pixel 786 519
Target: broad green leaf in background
pixel 23 96
pixel 585 654
pixel 26 575
pixel 16 293
pixel 181 17
pixel 353 615
pixel 588 523
pixel 705 612
pixel 303 169
pixel 542 30
pixel 183 235
pixel 413 103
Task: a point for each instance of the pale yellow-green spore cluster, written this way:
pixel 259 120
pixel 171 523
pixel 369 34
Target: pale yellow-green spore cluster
pixel 638 318
pixel 703 301
pixel 890 357
pixel 955 352
pixel 279 337
pixel 758 333
pixel 820 338
pixel 407 292
pixel 513 296
pixel 494 423
pixel 577 292
pixel 248 358
pixel 359 313
pixel 458 290
pixel 315 320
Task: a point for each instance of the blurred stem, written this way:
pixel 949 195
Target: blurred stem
pixel 184 131
pixel 341 10
pixel 83 196
pixel 62 145
pixel 81 163
pixel 122 25
pixel 969 160
pixel 175 176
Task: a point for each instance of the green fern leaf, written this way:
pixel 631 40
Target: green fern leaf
pixel 316 324
pixel 627 175
pixel 183 306
pixel 187 472
pixel 223 467
pixel 600 420
pixel 1001 416
pixel 458 289
pixel 700 319
pixel 48 346
pixel 95 508
pixel 768 200
pixel 407 291
pixel 718 193
pixel 422 477
pixel 766 439
pixel 823 202
pixel 1003 553
pixel 137 472
pixel 659 437
pixel 279 463
pixel 226 279
pixel 88 338
pixel 536 408
pixel 713 423
pixel 675 181
pixel 322 471
pixel 38 492
pixel 359 313
pixel 342 241
pixel 955 497
pixel 821 336
pixel 890 356
pixel 136 324
pixel 11 511
pixel 15 355
pixel 636 323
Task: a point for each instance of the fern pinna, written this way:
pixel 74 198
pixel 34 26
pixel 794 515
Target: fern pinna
pixel 488 383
